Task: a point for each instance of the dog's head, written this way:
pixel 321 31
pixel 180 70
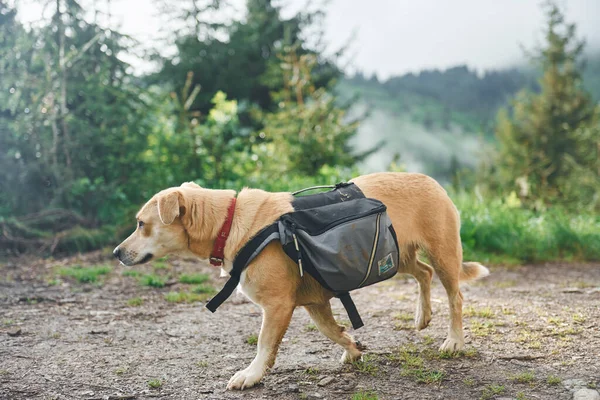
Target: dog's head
pixel 160 227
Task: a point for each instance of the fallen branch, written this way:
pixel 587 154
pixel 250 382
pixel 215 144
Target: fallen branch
pixel 521 357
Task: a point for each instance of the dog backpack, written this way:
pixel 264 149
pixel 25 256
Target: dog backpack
pixel 342 239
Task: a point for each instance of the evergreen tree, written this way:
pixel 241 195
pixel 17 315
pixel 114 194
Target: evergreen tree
pixel 547 143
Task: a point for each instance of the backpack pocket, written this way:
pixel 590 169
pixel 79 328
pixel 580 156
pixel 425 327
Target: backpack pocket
pixel 345 246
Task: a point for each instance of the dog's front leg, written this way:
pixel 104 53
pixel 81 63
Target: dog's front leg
pixel 276 319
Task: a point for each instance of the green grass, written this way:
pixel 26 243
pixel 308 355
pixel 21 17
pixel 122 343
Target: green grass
pixel 204 289
pixel 155 383
pixel 492 390
pixel 135 302
pixel 365 395
pixel 367 365
pixel 185 297
pixel 553 380
pixel 152 280
pixel 85 274
pixel 412 364
pixel 524 377
pixel 194 279
pixel 252 340
pixel 160 263
pixel 500 230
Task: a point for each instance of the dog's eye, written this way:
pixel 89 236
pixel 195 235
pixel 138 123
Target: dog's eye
pixel 140 224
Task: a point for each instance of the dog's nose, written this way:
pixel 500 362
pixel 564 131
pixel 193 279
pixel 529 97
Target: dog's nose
pixel 117 252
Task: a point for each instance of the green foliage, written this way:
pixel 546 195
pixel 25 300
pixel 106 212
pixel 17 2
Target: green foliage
pixel 155 383
pixel 365 395
pixel 185 297
pixel 85 274
pixel 492 390
pixel 204 289
pixel 309 130
pixel 152 281
pixel 135 302
pixel 193 278
pixel 549 145
pixel 503 228
pixel 252 340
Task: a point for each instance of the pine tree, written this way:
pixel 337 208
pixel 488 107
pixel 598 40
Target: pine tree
pixel 546 140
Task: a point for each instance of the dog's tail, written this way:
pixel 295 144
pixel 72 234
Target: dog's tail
pixel 473 270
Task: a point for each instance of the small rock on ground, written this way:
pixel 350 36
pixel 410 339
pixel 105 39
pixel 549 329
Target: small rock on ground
pixel 586 394
pixel 326 381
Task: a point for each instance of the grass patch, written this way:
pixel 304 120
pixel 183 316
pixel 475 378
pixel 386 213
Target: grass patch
pixel 193 279
pixel 404 316
pixel 492 390
pixel 132 273
pixel 155 383
pixel 184 297
pixel 121 370
pixel 493 228
pixel 365 395
pixel 412 365
pixel 135 302
pixel 202 364
pixel 161 263
pixel 366 365
pixel 204 289
pixel 85 274
pixel 311 371
pixel 553 380
pixel 311 328
pixel 482 329
pixel 252 340
pixel 523 377
pixel 578 318
pixel 469 381
pixel 152 280
pixel 485 312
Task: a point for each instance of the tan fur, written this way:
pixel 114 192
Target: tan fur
pixel 187 219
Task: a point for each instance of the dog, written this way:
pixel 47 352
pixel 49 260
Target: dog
pixel 186 220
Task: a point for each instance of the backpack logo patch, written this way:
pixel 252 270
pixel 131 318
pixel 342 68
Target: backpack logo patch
pixel 385 264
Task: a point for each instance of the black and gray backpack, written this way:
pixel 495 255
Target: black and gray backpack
pixel 341 238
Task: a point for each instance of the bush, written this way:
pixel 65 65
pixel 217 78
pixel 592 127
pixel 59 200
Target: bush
pixel 500 229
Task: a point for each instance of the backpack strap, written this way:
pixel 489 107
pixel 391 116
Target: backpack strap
pixel 351 310
pixel 242 259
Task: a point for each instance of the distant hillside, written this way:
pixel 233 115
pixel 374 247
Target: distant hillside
pixel 438 121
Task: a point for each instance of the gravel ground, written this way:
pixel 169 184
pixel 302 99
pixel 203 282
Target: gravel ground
pixel 533 332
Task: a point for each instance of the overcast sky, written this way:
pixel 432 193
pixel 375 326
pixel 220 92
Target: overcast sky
pixel 399 36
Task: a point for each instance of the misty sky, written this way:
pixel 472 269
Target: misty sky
pixel 399 36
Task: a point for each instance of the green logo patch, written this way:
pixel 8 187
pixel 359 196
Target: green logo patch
pixel 385 264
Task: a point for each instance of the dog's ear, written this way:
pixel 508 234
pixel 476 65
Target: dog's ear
pixel 168 207
pixel 191 185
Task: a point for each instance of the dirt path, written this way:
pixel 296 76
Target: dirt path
pixel 533 332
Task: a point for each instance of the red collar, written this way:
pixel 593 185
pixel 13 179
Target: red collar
pixel 218 252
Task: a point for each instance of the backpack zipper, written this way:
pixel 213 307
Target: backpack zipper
pixel 375 243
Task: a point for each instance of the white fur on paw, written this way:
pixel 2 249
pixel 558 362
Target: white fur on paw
pixel 452 344
pixel 245 379
pixel 422 319
pixel 350 357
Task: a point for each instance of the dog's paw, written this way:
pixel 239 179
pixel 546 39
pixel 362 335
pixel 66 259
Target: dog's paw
pixel 452 344
pixel 350 356
pixel 422 319
pixel 245 379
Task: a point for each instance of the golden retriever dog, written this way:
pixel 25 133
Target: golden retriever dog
pixel 186 220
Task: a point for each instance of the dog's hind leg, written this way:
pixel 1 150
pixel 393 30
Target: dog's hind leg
pixel 423 273
pixel 276 318
pixel 447 265
pixel 323 317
